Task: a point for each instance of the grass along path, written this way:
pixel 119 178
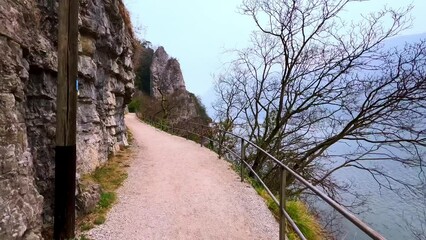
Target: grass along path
pixel 110 177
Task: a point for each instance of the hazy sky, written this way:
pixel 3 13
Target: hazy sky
pixel 198 33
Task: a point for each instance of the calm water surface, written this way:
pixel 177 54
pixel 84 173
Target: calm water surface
pixel 388 213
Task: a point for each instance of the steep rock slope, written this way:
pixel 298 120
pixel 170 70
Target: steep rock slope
pixel 162 79
pixel 28 78
pixel 166 75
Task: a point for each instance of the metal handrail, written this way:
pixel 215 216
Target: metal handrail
pixel 345 212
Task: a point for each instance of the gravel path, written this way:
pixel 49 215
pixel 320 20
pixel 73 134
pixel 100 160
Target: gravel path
pixel 179 190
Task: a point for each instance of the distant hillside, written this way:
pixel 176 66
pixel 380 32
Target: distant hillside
pixel 402 40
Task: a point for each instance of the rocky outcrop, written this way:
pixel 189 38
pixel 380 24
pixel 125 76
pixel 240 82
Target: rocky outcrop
pixel 88 197
pixel 166 75
pixel 167 85
pixel 28 78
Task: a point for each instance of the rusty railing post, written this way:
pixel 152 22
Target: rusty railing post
pixel 220 150
pixel 243 156
pixel 282 205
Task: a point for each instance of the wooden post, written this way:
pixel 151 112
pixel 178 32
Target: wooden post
pixel 66 106
pixel 282 205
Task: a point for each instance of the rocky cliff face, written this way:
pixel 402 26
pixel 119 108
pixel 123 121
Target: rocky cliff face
pixel 28 78
pixel 167 84
pixel 166 75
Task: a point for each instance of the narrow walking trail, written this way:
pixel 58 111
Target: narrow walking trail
pixel 179 190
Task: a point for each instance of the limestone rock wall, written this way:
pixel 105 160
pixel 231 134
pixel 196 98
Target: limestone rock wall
pixel 167 83
pixel 28 78
pixel 166 75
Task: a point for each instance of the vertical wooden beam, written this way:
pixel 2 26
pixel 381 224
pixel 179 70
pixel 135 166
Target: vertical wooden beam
pixel 66 104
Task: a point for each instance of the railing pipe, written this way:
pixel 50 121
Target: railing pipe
pixel 351 217
pixel 282 210
pixel 289 219
pixel 348 215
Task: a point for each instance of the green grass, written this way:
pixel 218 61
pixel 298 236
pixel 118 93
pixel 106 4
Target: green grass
pixel 134 105
pixel 99 220
pixel 275 209
pixel 110 177
pixel 306 221
pixel 107 199
pixel 86 226
pixel 298 211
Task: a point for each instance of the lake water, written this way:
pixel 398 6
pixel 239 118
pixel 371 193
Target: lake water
pixel 388 213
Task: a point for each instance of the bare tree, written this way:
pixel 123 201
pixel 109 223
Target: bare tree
pixel 323 94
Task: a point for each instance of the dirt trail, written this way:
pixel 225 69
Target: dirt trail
pixel 179 190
